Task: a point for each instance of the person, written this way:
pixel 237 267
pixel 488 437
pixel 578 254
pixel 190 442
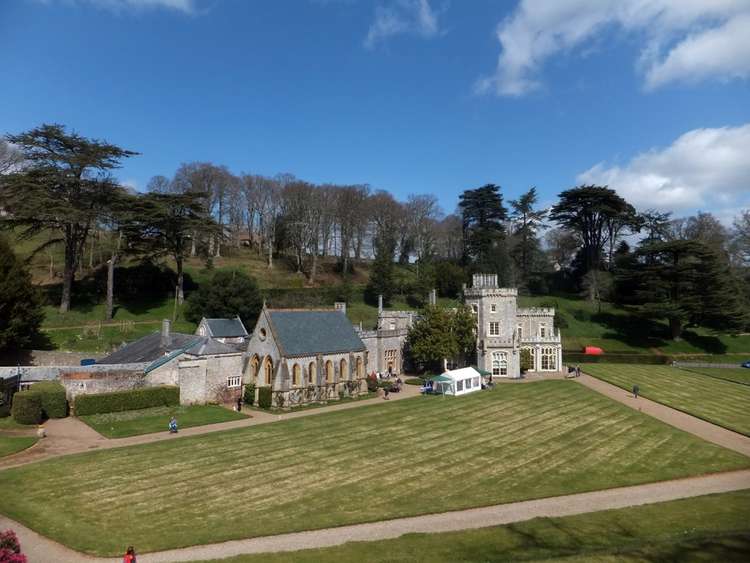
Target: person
pixel 239 403
pixel 578 370
pixel 635 391
pixel 41 432
pixel 173 425
pixel 129 555
pixel 385 393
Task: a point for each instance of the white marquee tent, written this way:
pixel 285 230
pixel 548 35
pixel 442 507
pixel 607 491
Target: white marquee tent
pixel 458 381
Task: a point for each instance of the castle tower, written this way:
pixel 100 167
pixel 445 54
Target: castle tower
pixel 496 313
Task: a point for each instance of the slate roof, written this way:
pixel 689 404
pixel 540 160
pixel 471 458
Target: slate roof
pixel 149 348
pixel 226 328
pixel 305 333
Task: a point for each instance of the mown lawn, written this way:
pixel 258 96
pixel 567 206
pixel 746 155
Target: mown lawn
pixel 708 528
pixel 147 421
pixel 737 375
pixel 416 456
pixel 12 444
pixel 715 400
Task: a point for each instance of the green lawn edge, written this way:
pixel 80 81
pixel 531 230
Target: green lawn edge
pixel 159 423
pixel 10 445
pixel 716 526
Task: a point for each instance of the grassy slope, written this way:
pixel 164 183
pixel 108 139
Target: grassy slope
pixel 518 442
pixel 147 421
pixel 721 402
pixel 12 444
pixel 615 330
pixel 713 527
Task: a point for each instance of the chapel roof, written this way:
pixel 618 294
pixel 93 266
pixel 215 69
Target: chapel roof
pixel 305 332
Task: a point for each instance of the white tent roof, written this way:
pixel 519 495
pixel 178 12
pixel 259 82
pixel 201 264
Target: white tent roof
pixel 460 374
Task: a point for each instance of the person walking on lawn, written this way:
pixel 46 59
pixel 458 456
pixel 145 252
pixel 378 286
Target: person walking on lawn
pixel 129 556
pixel 635 391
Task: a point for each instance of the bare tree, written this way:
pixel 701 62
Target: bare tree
pixel 160 185
pixel 422 213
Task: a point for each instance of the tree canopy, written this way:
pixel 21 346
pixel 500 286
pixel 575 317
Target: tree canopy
pixel 20 303
pixel 228 294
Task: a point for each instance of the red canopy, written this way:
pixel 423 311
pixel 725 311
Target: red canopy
pixel 593 351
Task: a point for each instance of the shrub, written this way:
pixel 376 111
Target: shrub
pixel 27 407
pixel 10 548
pixel 264 397
pixel 118 401
pixel 248 395
pixel 52 395
pixel 414 381
pixel 4 411
pixel 372 383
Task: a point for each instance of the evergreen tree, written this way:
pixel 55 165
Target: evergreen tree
pixel 526 249
pixel 228 294
pixel 63 187
pixel 381 274
pixel 20 303
pixel 684 282
pixel 483 223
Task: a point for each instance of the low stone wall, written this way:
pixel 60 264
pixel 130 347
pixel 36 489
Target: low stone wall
pixel 704 365
pixel 88 383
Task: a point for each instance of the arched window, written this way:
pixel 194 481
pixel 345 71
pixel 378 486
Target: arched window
pixel 296 375
pixel 343 375
pixel 268 370
pixel 253 368
pixel 549 359
pixel 360 368
pixel 311 373
pixel 329 371
pixel 499 363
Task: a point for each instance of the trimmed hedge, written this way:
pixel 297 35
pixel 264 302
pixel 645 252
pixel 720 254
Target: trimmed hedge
pixel 4 411
pixel 264 397
pixel 248 396
pixel 118 401
pixel 27 407
pixel 414 381
pixel 581 358
pixel 54 401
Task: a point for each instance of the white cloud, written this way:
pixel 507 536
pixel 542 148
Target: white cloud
pixel 685 40
pixel 702 169
pixel 185 6
pixel 403 16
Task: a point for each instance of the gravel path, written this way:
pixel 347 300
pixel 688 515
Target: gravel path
pixel 42 550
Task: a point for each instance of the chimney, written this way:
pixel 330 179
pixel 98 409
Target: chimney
pixel 380 304
pixel 166 335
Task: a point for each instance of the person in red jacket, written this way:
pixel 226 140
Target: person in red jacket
pixel 129 556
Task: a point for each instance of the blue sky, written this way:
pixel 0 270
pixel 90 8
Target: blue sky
pixel 412 96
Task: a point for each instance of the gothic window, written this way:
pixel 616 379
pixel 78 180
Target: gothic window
pixel 532 354
pixel 311 373
pixel 329 371
pixel 234 381
pixel 549 359
pixel 296 375
pixel 342 371
pixel 499 363
pixel 494 329
pixel 268 370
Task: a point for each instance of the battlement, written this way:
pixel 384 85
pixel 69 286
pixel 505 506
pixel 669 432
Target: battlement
pixel 536 312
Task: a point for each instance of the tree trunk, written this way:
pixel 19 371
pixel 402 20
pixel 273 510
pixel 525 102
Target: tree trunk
pixel 69 271
pixel 675 328
pixel 314 267
pixel 193 250
pixel 179 290
pixel 270 252
pixel 110 287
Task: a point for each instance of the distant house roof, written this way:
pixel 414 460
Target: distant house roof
pixel 149 348
pixel 225 328
pixel 305 333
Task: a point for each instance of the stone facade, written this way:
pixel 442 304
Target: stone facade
pixel 297 379
pixel 503 330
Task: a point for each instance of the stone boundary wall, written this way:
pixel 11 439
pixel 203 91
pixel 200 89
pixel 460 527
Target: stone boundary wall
pixel 705 365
